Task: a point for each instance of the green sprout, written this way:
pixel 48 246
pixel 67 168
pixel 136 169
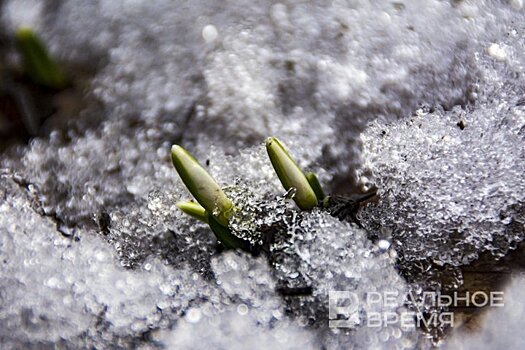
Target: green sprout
pixel 213 207
pixel 201 185
pixel 308 190
pixel 216 209
pixel 39 65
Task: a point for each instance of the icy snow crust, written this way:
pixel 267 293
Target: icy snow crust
pixel 95 253
pixel 70 293
pixel 452 182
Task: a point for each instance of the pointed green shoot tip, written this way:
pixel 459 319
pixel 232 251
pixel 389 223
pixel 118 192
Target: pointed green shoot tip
pixel 201 185
pixel 290 174
pixel 194 210
pixel 39 65
pixel 316 186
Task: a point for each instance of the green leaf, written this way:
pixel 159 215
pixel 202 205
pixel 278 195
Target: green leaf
pixel 201 185
pixel 39 65
pixel 194 210
pixel 290 174
pixel 316 186
pixel 225 236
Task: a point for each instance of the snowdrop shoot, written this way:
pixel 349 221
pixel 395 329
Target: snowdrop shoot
pixel 306 196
